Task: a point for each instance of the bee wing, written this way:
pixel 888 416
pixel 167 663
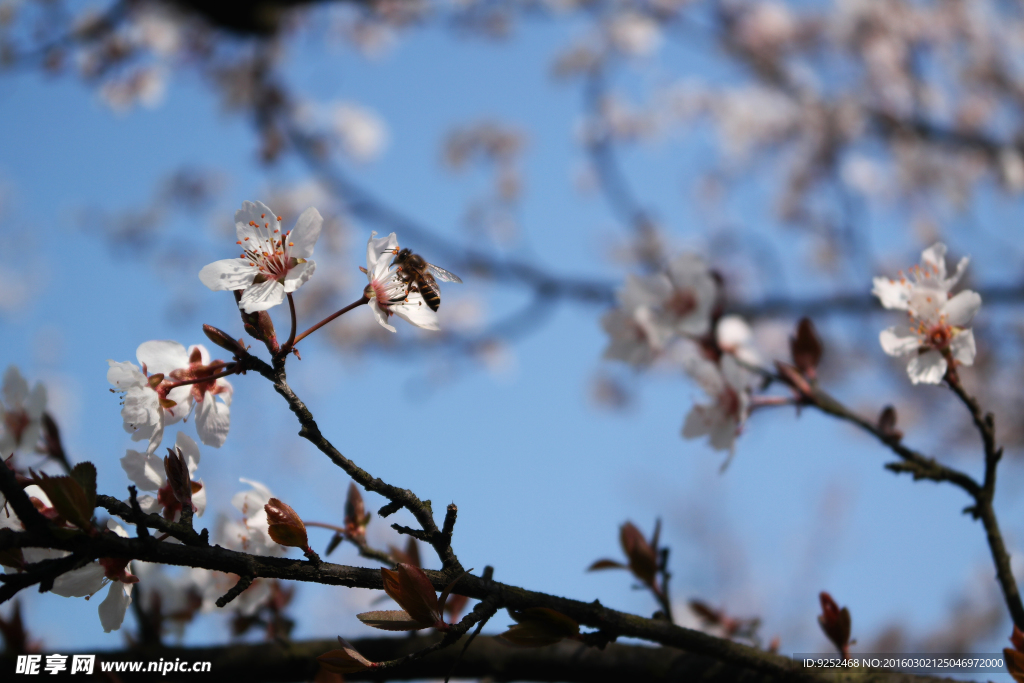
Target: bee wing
pixel 442 274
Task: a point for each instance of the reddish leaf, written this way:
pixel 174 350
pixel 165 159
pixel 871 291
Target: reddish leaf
pixel 391 620
pixel 1015 664
pixel 606 564
pixel 539 626
pixel 344 660
pixel 411 589
pixel 806 348
pixel 178 477
pixel 68 497
pixel 835 623
pixel 411 554
pixel 1017 638
pixel 887 424
pixel 455 605
pixel 286 526
pixel 708 614
pixel 643 561
pixel 356 517
pixel 448 589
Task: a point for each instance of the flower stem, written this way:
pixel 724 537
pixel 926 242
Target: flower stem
pixel 324 525
pixel 291 336
pixel 332 316
pixel 229 369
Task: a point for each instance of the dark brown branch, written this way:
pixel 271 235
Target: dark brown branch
pixel 243 583
pixel 923 467
pixel 311 431
pixel 185 534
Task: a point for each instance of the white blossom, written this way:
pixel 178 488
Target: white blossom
pixel 89 579
pixel 936 330
pixel 362 133
pixel 146 470
pixel 637 337
pixel 388 294
pixel 21 413
pixel 727 383
pixel 272 263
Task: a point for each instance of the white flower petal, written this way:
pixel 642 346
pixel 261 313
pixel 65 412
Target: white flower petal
pixel 304 235
pixel 899 341
pixel 298 275
pixel 381 317
pixel 702 370
pixel 256 212
pixel 149 504
pixel 80 582
pixel 145 470
pixel 15 387
pixel 199 499
pixel 124 375
pixel 36 405
pixel 892 293
pixel 415 310
pixel 962 347
pixel 380 251
pixel 189 449
pixel 251 502
pixel 182 397
pixel 230 274
pixel 213 419
pixel 117 528
pixel 960 268
pixel 698 422
pixel 114 606
pixel 927 368
pixel 162 356
pixel 960 310
pixel 935 258
pixel 261 297
pixel 649 290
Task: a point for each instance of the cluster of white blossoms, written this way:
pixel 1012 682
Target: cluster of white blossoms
pixel 678 306
pixel 147 471
pixel 171 384
pixel 85 581
pixel 936 335
pixel 274 264
pixel 250 534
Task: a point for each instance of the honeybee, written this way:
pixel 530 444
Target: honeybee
pixel 414 270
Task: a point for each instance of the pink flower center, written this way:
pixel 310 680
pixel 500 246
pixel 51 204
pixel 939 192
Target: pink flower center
pixel 16 422
pixel 268 251
pixel 729 402
pixel 682 302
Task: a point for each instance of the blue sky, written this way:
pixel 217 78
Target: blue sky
pixel 542 477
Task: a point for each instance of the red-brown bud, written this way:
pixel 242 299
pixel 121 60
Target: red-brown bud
pixel 806 348
pixel 224 340
pixel 835 623
pixel 285 526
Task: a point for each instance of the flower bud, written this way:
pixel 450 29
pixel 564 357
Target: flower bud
pixel 835 623
pixel 285 526
pixel 224 340
pixel 806 348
